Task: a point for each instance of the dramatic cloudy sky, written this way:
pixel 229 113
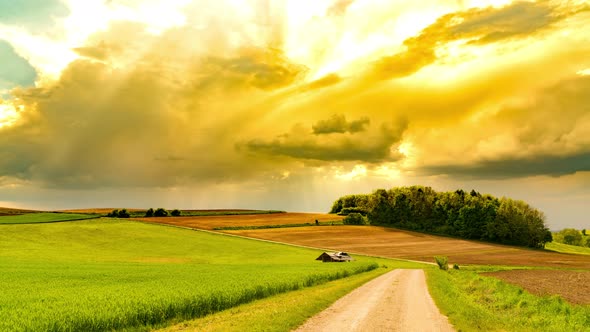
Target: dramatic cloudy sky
pixel 289 104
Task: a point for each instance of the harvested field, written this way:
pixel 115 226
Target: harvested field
pixel 393 243
pixel 97 210
pixel 11 212
pixel 211 222
pixel 573 286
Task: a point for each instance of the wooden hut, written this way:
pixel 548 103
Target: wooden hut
pixel 334 257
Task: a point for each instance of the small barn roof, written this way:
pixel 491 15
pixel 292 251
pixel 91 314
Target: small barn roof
pixel 335 256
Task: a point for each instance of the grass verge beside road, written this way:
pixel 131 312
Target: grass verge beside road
pixel 477 303
pixel 287 311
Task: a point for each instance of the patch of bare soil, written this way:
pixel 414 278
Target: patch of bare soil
pixel 394 243
pixel 396 301
pixel 96 210
pixel 211 222
pixel 573 286
pixel 11 212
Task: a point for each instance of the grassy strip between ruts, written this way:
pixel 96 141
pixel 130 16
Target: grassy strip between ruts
pixel 477 303
pixel 287 311
pixel 44 217
pixel 241 228
pixel 567 249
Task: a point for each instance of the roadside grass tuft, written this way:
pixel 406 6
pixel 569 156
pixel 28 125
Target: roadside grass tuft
pixel 442 262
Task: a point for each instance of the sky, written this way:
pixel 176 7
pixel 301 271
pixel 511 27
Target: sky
pixel 290 104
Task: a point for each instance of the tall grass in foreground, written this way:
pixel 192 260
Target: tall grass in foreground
pixel 111 275
pixel 477 303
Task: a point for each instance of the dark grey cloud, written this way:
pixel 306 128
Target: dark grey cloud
pixel 550 165
pixel 549 136
pixel 142 125
pixel 300 144
pixel 338 124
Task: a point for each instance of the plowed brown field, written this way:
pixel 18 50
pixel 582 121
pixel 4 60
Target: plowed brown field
pixel 393 243
pixel 11 212
pixel 571 285
pixel 210 222
pixel 378 241
pixel 96 210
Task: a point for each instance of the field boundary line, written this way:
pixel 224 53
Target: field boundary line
pixel 277 242
pixel 50 222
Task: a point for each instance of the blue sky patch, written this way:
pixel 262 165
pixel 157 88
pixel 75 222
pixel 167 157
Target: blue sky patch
pixel 31 14
pixel 14 69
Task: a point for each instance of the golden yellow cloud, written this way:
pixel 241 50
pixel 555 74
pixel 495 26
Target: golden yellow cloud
pixel 484 91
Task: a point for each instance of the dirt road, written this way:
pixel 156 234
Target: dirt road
pixel 396 301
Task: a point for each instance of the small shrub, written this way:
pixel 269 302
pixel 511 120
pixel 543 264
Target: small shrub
pixel 588 242
pixel 442 262
pixel 160 212
pixel 355 219
pixel 349 210
pixel 455 267
pixel 123 214
pixel 113 214
pixel 149 213
pixel 175 213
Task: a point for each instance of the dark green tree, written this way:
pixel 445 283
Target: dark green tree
pixel 175 213
pixel 160 212
pixel 123 214
pixel 355 219
pixel 113 214
pixel 149 213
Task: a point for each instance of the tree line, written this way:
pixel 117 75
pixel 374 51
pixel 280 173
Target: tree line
pixel 468 215
pixel 159 212
pixel 572 237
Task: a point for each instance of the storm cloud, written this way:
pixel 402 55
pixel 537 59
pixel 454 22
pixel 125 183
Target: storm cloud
pixel 285 97
pixel 338 124
pixel 370 147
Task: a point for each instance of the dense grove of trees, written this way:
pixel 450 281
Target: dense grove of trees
pixel 468 215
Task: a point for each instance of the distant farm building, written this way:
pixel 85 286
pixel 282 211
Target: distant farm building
pixel 334 257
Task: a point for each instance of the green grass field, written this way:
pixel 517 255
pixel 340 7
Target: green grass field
pixel 280 313
pixel 477 303
pixel 44 217
pixel 108 274
pixel 566 248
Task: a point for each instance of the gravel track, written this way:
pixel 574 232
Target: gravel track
pixel 396 301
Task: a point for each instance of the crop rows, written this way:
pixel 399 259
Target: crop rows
pixel 107 275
